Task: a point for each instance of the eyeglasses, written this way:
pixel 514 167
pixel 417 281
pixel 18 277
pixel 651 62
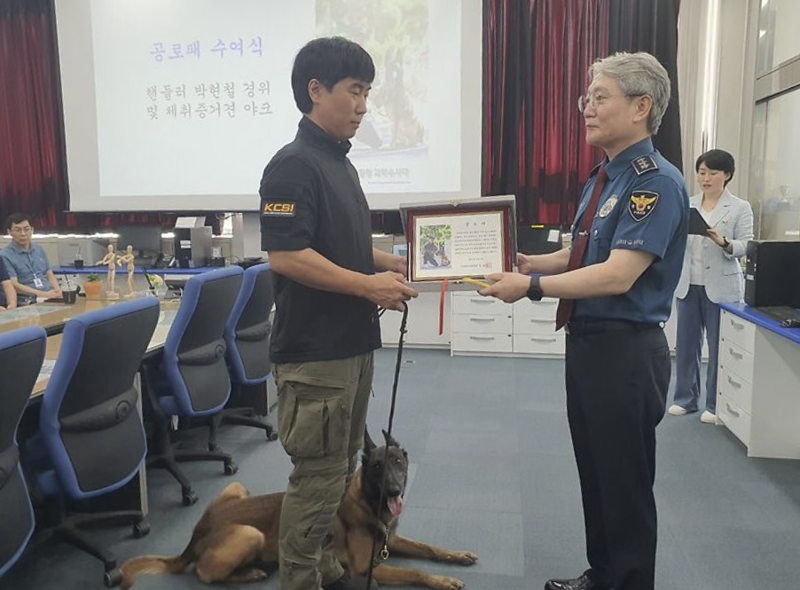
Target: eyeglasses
pixel 22 230
pixel 597 100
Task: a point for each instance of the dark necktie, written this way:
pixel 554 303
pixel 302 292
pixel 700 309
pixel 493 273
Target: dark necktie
pixel 578 248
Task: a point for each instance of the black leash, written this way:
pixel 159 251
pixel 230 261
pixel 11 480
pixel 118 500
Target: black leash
pixel 387 434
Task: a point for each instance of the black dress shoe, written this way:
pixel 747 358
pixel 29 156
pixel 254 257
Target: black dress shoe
pixel 350 582
pixel 584 582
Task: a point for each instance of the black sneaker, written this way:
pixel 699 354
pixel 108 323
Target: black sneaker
pixel 351 582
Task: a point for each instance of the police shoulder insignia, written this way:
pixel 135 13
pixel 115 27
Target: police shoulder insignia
pixel 642 204
pixel 277 208
pixel 644 164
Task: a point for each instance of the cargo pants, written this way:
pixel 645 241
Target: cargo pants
pixel 322 412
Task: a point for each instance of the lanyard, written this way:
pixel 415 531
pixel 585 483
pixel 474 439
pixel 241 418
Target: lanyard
pixel 29 260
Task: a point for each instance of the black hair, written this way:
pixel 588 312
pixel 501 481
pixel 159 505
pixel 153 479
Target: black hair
pixel 17 218
pixel 717 160
pixel 329 60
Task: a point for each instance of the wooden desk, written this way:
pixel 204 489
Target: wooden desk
pixel 50 316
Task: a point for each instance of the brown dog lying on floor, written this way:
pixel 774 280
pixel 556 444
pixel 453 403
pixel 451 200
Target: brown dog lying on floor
pixel 236 539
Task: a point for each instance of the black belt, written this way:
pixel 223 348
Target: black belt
pixel 581 327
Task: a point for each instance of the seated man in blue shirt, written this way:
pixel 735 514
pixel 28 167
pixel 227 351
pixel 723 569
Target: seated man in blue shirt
pixel 26 262
pixel 8 297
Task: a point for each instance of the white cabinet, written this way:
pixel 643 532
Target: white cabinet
pixel 738 330
pixel 735 376
pixel 488 326
pixel 480 344
pixel 758 388
pixel 475 325
pixel 422 330
pixel 481 325
pixel 535 328
pixel 470 303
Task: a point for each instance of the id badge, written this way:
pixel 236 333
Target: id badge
pixel 37 282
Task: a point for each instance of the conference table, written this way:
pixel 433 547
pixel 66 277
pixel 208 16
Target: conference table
pixel 53 316
pixel 50 316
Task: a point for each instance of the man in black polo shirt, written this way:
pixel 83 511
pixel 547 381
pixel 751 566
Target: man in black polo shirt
pixel 315 224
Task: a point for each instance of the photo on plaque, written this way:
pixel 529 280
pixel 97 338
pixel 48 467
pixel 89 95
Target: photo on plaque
pixel 458 240
pixel 435 243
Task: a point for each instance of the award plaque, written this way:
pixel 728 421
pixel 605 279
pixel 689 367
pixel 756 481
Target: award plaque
pixel 453 240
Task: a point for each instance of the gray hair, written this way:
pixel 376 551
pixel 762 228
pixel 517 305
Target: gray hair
pixel 638 74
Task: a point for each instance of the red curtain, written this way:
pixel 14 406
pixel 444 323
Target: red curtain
pixel 652 26
pixel 32 161
pixel 536 57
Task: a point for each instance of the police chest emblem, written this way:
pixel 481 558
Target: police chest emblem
pixel 277 209
pixel 642 204
pixel 608 206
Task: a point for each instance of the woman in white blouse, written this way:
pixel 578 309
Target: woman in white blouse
pixel 711 275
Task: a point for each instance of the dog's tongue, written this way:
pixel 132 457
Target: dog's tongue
pixel 395 505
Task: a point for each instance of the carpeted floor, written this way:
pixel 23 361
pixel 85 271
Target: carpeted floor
pixel 492 471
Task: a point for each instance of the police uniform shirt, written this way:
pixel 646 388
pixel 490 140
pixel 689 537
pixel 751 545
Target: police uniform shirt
pixel 644 206
pixel 311 198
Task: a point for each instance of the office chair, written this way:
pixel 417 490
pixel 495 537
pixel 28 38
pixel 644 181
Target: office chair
pixel 21 355
pixel 91 440
pixel 247 338
pixel 192 380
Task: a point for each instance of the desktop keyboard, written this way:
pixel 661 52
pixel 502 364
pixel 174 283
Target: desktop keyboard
pixel 779 313
pixel 144 262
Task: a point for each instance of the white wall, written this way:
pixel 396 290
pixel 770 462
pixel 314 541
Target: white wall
pixel 786 41
pixel 735 91
pixel 713 70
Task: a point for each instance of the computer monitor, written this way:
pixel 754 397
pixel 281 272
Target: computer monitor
pixel 538 239
pixel 145 239
pixel 387 222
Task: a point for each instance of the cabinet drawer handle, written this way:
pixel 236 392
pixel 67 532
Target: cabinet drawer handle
pixel 546 302
pixel 737 325
pixel 543 339
pixel 732 412
pixel 735 354
pixel 481 337
pixel 484 300
pixel 481 319
pixel 542 322
pixel 733 382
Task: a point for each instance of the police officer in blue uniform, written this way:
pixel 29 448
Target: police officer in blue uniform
pixel 616 284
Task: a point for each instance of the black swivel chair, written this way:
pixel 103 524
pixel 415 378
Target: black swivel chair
pixel 21 355
pixel 91 440
pixel 192 379
pixel 247 338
